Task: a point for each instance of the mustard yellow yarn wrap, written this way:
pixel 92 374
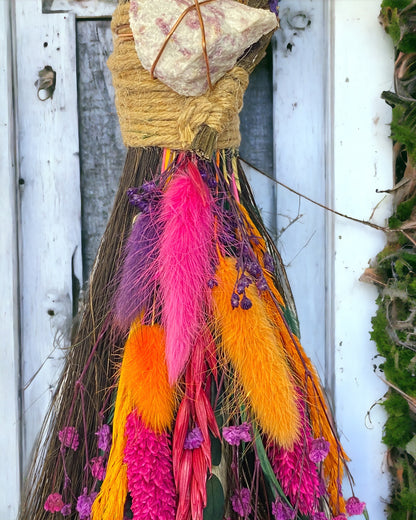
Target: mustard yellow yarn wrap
pixel 152 114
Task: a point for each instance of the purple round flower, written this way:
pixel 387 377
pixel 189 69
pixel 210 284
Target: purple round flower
pixel 193 439
pixel 53 503
pixel 84 504
pixel 245 303
pixel 240 502
pixel 354 506
pixel 242 284
pixel 66 510
pixel 282 511
pixel 104 438
pixel 254 269
pixel 97 466
pixel 319 450
pixel 235 300
pixel 235 434
pixel 69 437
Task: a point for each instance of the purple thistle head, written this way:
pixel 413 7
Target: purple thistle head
pixel 282 511
pixel 84 504
pixel 235 434
pixel 354 506
pixel 54 503
pixel 319 449
pixel 69 437
pixel 193 439
pixel 104 438
pixel 240 502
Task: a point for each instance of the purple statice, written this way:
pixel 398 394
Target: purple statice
pixel 282 511
pixel 235 434
pixel 235 300
pixel 354 506
pixel 84 504
pixel 104 438
pixel 319 449
pixel 319 516
pixel 193 439
pixel 242 284
pixel 212 283
pixel 53 503
pixel 253 268
pixel 261 284
pixel 268 262
pixel 240 502
pixel 66 510
pixel 97 465
pixel 145 197
pixel 69 437
pixel 245 303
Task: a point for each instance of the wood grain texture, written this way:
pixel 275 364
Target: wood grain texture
pixel 9 309
pixel 81 8
pixel 102 149
pixel 50 204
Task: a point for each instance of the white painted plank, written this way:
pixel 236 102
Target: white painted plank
pixel 300 68
pixel 82 8
pixel 363 68
pixel 50 203
pixel 9 342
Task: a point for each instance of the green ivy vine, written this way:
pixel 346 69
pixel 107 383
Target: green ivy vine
pixel 394 326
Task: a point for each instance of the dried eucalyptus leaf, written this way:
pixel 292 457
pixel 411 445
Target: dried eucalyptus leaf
pixel 230 28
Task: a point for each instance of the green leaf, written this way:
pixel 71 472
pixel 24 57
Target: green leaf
pixel 366 515
pixel 215 450
pixel 411 447
pixel 215 500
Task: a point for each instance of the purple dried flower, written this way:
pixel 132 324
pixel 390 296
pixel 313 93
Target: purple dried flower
pixel 53 503
pixel 282 511
pixel 242 284
pixel 240 502
pixel 97 465
pixel 340 517
pixel 319 516
pixel 268 262
pixel 104 438
pixel 319 449
pixel 274 6
pixel 235 300
pixel 84 504
pixel 354 506
pixel 261 284
pixel 193 439
pixel 212 283
pixel 66 510
pixel 245 303
pixel 235 434
pixel 253 268
pixel 69 437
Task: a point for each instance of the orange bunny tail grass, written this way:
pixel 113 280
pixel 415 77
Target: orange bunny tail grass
pixel 109 504
pixel 249 342
pixel 144 375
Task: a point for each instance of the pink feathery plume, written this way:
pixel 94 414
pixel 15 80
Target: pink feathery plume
pixel 185 261
pixel 149 472
pixel 191 452
pixel 297 474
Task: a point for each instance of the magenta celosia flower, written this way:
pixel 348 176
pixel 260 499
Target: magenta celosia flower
pixel 69 437
pixel 193 439
pixel 319 449
pixel 354 506
pixel 66 510
pixel 104 438
pixel 149 471
pixel 84 504
pixel 235 434
pixel 54 503
pixel 97 465
pixel 282 511
pixel 240 502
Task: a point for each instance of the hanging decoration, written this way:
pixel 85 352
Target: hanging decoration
pixel 186 395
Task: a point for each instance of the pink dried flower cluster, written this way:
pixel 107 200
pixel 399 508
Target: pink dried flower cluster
pixel 319 516
pixel 340 517
pixel 282 511
pixel 97 465
pixel 235 434
pixel 354 506
pixel 319 449
pixel 69 437
pixel 54 503
pixel 149 471
pixel 240 502
pixel 104 438
pixel 84 504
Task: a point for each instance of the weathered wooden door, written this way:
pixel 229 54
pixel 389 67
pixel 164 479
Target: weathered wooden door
pixel 313 120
